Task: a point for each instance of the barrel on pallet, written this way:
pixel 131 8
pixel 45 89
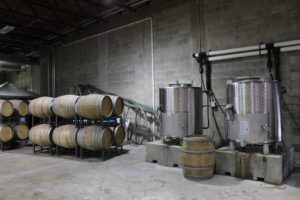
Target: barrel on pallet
pixel 197 157
pixel 94 106
pixel 6 108
pixel 118 105
pixel 21 131
pixel 41 135
pixel 41 107
pixel 6 133
pixel 94 138
pixel 65 136
pixel 20 107
pixel 118 135
pixel 64 106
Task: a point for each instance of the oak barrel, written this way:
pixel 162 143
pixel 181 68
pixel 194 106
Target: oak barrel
pixel 118 105
pixel 21 131
pixel 41 135
pixel 41 107
pixel 64 106
pixel 6 108
pixel 94 138
pixel 94 106
pixel 197 157
pixel 118 135
pixel 65 136
pixel 20 107
pixel 6 133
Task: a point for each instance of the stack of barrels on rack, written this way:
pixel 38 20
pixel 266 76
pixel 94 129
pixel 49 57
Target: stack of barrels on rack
pixel 13 120
pixel 91 107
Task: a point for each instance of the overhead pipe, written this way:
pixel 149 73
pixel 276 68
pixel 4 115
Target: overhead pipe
pixel 250 51
pixel 237 55
pixel 287 43
pixel 290 48
pixel 236 50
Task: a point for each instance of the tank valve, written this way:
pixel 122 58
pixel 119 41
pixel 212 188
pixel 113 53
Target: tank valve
pixel 266 127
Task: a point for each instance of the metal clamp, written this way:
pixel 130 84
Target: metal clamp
pixel 229 112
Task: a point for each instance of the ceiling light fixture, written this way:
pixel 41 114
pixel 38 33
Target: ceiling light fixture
pixel 6 29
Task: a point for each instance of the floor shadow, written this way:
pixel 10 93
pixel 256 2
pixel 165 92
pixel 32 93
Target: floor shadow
pixel 294 178
pixel 87 156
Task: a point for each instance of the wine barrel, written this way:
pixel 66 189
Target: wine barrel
pixel 118 135
pixel 41 107
pixel 65 136
pixel 41 135
pixel 21 131
pixel 6 133
pixel 20 107
pixel 94 106
pixel 94 138
pixel 6 108
pixel 197 157
pixel 64 106
pixel 118 105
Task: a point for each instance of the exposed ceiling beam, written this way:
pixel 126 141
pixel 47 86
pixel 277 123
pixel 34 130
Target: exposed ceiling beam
pixel 27 37
pixel 47 31
pixel 4 67
pixel 59 9
pixel 14 59
pixel 15 12
pixel 17 41
pixel 94 3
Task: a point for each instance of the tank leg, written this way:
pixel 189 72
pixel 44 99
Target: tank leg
pixel 231 145
pixel 266 149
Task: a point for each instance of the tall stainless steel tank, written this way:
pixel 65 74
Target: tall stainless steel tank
pixel 181 110
pixel 254 111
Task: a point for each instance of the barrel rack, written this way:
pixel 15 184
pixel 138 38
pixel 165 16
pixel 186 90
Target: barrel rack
pixel 79 151
pixel 112 121
pixel 13 120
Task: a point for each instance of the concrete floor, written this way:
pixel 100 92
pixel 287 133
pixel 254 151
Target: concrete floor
pixel 24 175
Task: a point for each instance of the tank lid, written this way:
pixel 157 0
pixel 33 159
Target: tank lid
pixel 180 84
pixel 197 138
pixel 252 78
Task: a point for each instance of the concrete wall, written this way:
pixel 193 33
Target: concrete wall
pixel 230 24
pixel 121 60
pixel 118 61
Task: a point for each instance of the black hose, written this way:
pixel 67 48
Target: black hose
pixel 217 127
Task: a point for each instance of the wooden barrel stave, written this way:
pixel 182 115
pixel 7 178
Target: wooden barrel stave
pixel 94 106
pixel 197 157
pixel 65 136
pixel 41 107
pixel 94 138
pixel 118 105
pixel 20 107
pixel 118 135
pixel 6 133
pixel 6 108
pixel 21 131
pixel 41 135
pixel 64 106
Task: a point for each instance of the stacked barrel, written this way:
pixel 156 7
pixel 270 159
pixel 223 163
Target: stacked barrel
pixel 12 125
pixel 75 109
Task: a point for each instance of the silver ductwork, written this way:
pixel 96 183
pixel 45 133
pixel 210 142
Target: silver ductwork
pixel 181 110
pixel 254 111
pixel 11 91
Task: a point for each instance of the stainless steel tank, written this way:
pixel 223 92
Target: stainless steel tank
pixel 254 111
pixel 181 110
